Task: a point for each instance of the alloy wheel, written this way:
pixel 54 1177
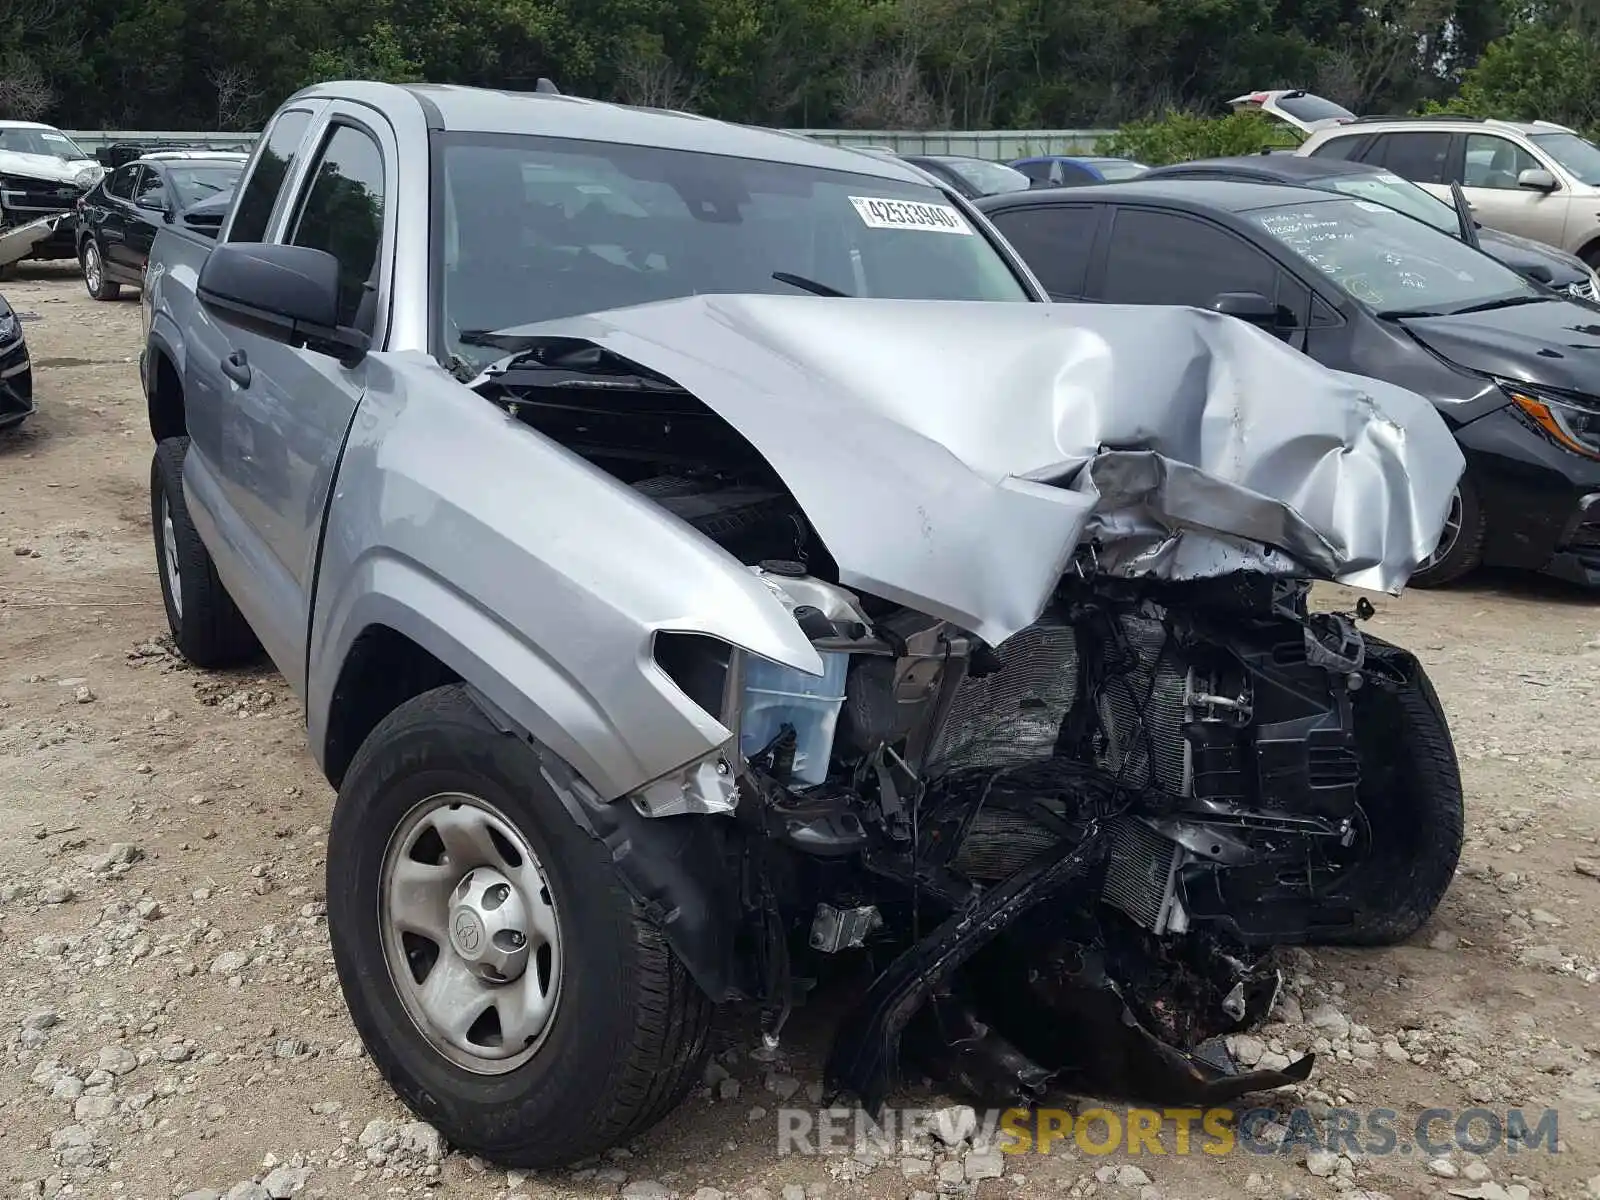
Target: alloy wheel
pixel 1449 536
pixel 93 272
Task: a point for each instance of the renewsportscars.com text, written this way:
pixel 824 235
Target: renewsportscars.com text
pixel 1374 1132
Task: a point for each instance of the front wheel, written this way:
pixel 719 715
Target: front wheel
pixel 1413 812
pixel 94 271
pixel 503 979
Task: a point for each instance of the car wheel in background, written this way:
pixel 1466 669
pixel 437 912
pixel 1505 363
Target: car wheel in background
pixel 206 625
pixel 503 978
pixel 1460 548
pixel 94 271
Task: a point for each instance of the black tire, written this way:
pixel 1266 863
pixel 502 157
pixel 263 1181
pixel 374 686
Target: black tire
pixel 1412 797
pixel 105 289
pixel 1465 552
pixel 206 625
pixel 629 1034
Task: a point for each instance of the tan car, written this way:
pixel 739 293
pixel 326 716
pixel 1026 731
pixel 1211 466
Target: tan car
pixel 1534 179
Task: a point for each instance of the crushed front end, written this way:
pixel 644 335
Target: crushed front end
pixel 1071 855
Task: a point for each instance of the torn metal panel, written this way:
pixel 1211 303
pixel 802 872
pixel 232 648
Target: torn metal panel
pixel 18 242
pixel 954 455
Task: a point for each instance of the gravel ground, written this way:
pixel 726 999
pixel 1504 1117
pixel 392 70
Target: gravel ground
pixel 172 1026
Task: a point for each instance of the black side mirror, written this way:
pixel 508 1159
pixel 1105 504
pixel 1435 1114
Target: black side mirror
pixel 287 293
pixel 1247 306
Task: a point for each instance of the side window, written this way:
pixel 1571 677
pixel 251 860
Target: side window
pixel 1419 157
pixel 120 185
pixel 151 186
pixel 1494 162
pixel 1055 242
pixel 255 203
pixel 1165 258
pixel 1039 172
pixel 342 213
pixel 1340 147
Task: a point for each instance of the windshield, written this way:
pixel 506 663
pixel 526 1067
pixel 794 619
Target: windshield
pixel 197 183
pixel 50 142
pixel 1401 195
pixel 531 229
pixel 988 178
pixel 1311 108
pixel 1387 262
pixel 1117 169
pixel 1580 158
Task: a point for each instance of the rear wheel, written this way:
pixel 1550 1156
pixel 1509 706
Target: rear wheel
pixel 94 271
pixel 206 625
pixel 1460 547
pixel 502 977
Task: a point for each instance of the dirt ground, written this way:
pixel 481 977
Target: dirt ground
pixel 172 1023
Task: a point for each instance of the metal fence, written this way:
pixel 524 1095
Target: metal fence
pixel 999 145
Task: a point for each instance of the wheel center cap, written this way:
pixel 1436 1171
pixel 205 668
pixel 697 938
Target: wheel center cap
pixel 490 926
pixel 467 934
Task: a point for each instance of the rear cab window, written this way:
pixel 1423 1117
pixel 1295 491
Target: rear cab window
pixel 280 147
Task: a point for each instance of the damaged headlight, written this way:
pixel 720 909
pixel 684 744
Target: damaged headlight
pixel 1574 425
pixel 89 176
pixel 10 329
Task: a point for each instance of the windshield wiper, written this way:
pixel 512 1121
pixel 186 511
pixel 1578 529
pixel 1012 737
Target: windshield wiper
pixel 808 285
pixel 1400 314
pixel 1509 302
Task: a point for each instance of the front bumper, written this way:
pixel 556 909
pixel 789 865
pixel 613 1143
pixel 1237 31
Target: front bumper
pixel 1541 502
pixel 1578 559
pixel 16 383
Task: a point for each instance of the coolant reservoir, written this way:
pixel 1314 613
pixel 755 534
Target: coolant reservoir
pixel 775 696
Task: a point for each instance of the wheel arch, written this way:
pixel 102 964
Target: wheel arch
pixel 163 389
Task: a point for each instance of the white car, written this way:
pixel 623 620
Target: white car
pixel 42 174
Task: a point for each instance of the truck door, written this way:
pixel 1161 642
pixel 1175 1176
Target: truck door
pixel 288 409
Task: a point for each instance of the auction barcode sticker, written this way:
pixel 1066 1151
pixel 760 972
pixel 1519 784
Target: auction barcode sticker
pixel 878 213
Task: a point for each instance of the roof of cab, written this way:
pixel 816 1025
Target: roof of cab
pixel 1226 195
pixel 453 108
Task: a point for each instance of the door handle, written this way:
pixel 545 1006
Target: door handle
pixel 237 368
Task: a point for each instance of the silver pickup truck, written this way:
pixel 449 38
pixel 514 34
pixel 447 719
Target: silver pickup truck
pixel 699 556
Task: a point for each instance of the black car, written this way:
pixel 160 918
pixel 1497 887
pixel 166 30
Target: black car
pixel 1555 268
pixel 972 177
pixel 16 372
pixel 1513 368
pixel 118 219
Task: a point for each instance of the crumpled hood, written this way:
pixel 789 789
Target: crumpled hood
pixel 953 456
pixel 44 166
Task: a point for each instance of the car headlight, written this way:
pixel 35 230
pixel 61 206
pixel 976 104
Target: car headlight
pixel 9 328
pixel 1568 423
pixel 89 176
